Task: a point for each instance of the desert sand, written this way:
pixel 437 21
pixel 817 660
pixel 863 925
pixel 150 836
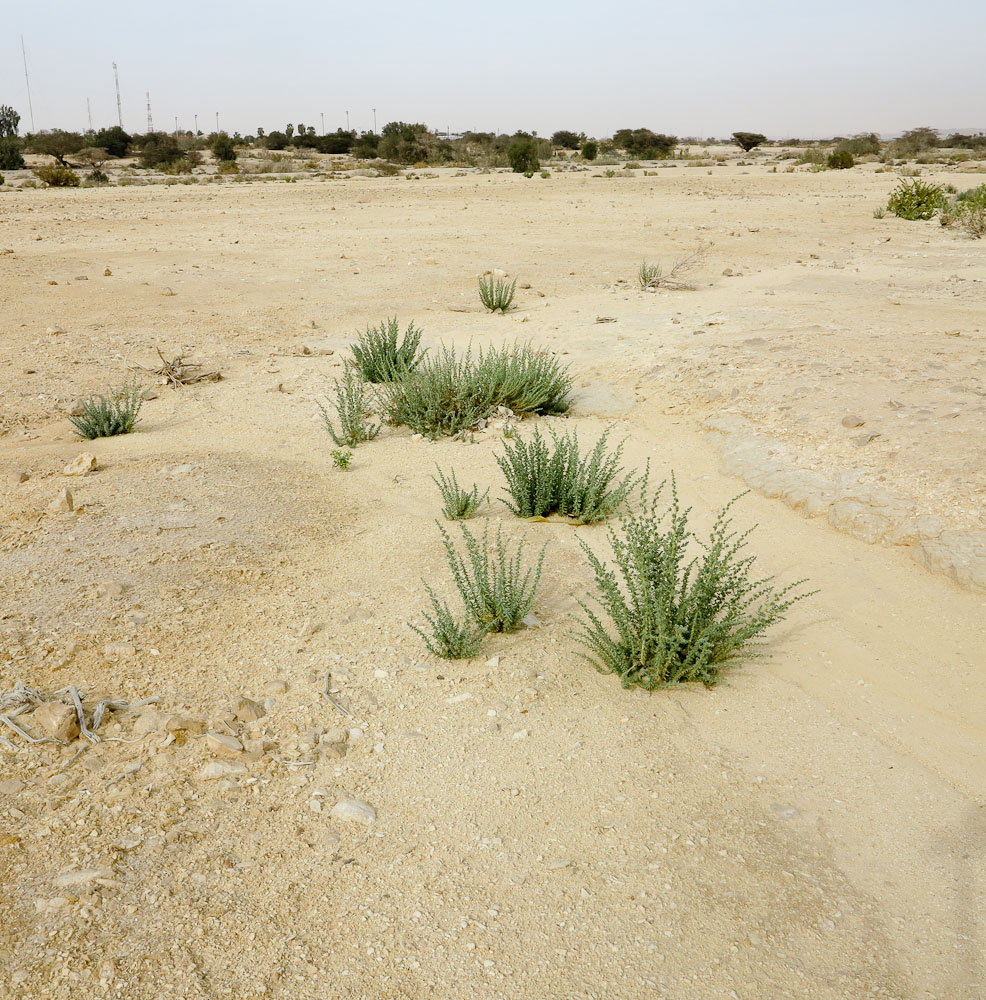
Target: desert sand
pixel 812 827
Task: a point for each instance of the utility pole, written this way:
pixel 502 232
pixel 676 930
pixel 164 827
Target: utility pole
pixel 150 120
pixel 119 110
pixel 176 126
pixel 27 80
pixel 374 121
pixel 217 121
pixel 196 124
pixel 323 122
pixel 347 121
pixel 89 112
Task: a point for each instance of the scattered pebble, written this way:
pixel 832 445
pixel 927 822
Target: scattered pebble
pixel 63 503
pixel 354 809
pixel 247 710
pixel 222 769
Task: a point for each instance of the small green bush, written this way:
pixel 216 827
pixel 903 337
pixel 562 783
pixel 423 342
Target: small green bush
pixel 677 617
pixel 916 199
pixel 379 358
pixel 10 153
pixel 497 591
pixel 353 410
pixel 341 459
pixel 590 150
pixel 496 294
pixel 57 176
pixel 457 504
pixel 449 639
pixel 447 394
pixel 840 159
pixel 107 416
pixel 543 480
pixel 522 154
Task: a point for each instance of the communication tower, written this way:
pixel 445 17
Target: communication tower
pixel 119 108
pixel 150 121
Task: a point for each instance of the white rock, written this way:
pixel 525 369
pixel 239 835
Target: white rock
pixel 222 744
pixel 57 720
pixel 354 809
pixel 521 734
pixel 458 699
pixel 493 661
pixel 247 710
pixel 276 686
pixel 84 876
pixel 81 465
pixel 222 769
pixel 11 786
pixel 63 503
pixel 119 650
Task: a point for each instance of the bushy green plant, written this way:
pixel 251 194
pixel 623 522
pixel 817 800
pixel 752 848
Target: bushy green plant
pixel 879 212
pixel 916 199
pixel 57 176
pixel 457 503
pixel 341 458
pixel 10 153
pixel 522 154
pixel 590 150
pixel 352 406
pixel 447 394
pixel 973 197
pixel 496 294
pixel 840 159
pixel 107 416
pixel 449 639
pixel 543 480
pixel 495 588
pixel 379 358
pixel 223 148
pixel 749 140
pixel 677 616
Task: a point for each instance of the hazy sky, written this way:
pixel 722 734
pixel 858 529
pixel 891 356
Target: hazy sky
pixel 694 67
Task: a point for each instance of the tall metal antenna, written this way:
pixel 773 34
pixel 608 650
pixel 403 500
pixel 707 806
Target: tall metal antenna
pixel 27 80
pixel 150 121
pixel 119 108
pixel 89 110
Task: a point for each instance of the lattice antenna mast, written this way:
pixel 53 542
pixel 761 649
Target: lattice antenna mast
pixel 27 80
pixel 150 120
pixel 119 107
pixel 89 110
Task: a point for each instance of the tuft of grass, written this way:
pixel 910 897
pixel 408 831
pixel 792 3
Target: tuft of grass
pixel 458 504
pixel 352 408
pixel 379 358
pixel 496 590
pixel 879 212
pixel 915 200
pixel 107 416
pixel 496 294
pixel 341 459
pixel 651 276
pixel 447 393
pixel 449 638
pixel 677 617
pixel 543 480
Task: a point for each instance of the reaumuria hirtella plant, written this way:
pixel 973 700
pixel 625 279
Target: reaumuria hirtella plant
pixel 353 410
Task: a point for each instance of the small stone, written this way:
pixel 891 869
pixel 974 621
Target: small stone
pixel 354 809
pixel 62 504
pixel 335 736
pixel 222 744
pixel 852 420
pixel 119 650
pixel 380 675
pixel 11 786
pixel 499 272
pixel 248 710
pixel 148 394
pixel 57 720
pixel 107 273
pixel 521 734
pixel 458 699
pixel 531 621
pixel 54 331
pixel 81 465
pixel 109 589
pixel 864 439
pixel 222 769
pixel 83 877
pixel 493 661
pixel 559 864
pixel 16 478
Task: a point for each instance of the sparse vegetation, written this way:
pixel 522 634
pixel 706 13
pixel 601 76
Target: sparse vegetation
pixel 448 394
pixel 749 140
pixel 379 358
pixel 457 504
pixel 522 154
pixel 840 159
pixel 496 294
pixel 916 199
pixel 677 617
pixel 651 276
pixel 341 458
pixel 496 589
pixel 107 416
pixel 57 176
pixel 967 210
pixel 590 150
pixel 544 480
pixel 449 638
pixel 352 407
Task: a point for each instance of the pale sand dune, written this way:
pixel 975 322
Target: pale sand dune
pixel 811 828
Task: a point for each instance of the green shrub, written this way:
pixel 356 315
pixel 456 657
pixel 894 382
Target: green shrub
pixel 341 459
pixel 916 200
pixel 449 639
pixel 353 410
pixel 748 140
pixel 840 159
pixel 590 150
pixel 379 358
pixel 864 144
pixel 97 177
pixel 677 617
pixel 496 294
pixel 457 504
pixel 522 154
pixel 107 416
pixel 57 176
pixel 543 480
pixel 10 153
pixel 222 148
pixel 447 394
pixel 495 588
pixel 973 197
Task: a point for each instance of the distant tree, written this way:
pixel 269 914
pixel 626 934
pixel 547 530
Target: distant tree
pixel 276 140
pixel 566 140
pixel 917 140
pixel 93 156
pixel 289 130
pixel 643 144
pixel 223 148
pixel 335 142
pixel 114 140
pixel 9 120
pixel 523 153
pixel 260 133
pixel 301 129
pixel 864 144
pixel 57 144
pixel 840 159
pixel 960 141
pixel 590 150
pixel 366 145
pixel 159 150
pixel 749 140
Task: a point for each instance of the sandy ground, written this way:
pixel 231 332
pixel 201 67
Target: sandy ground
pixel 813 827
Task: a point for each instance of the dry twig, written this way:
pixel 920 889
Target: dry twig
pixel 179 372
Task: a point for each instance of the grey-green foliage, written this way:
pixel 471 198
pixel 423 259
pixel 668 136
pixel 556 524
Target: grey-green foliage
pixel 495 588
pixel 449 393
pixel 457 503
pixel 545 479
pixel 352 407
pixel 916 200
pixel 677 616
pixel 496 294
pixel 107 416
pixel 449 638
pixel 379 358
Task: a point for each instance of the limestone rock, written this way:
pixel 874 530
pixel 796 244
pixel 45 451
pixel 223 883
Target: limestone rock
pixel 247 710
pixel 355 810
pixel 224 745
pixel 63 503
pixel 852 420
pixel 119 650
pixel 222 769
pixel 57 720
pixel 81 465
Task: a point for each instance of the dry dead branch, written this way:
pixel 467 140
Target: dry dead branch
pixel 179 372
